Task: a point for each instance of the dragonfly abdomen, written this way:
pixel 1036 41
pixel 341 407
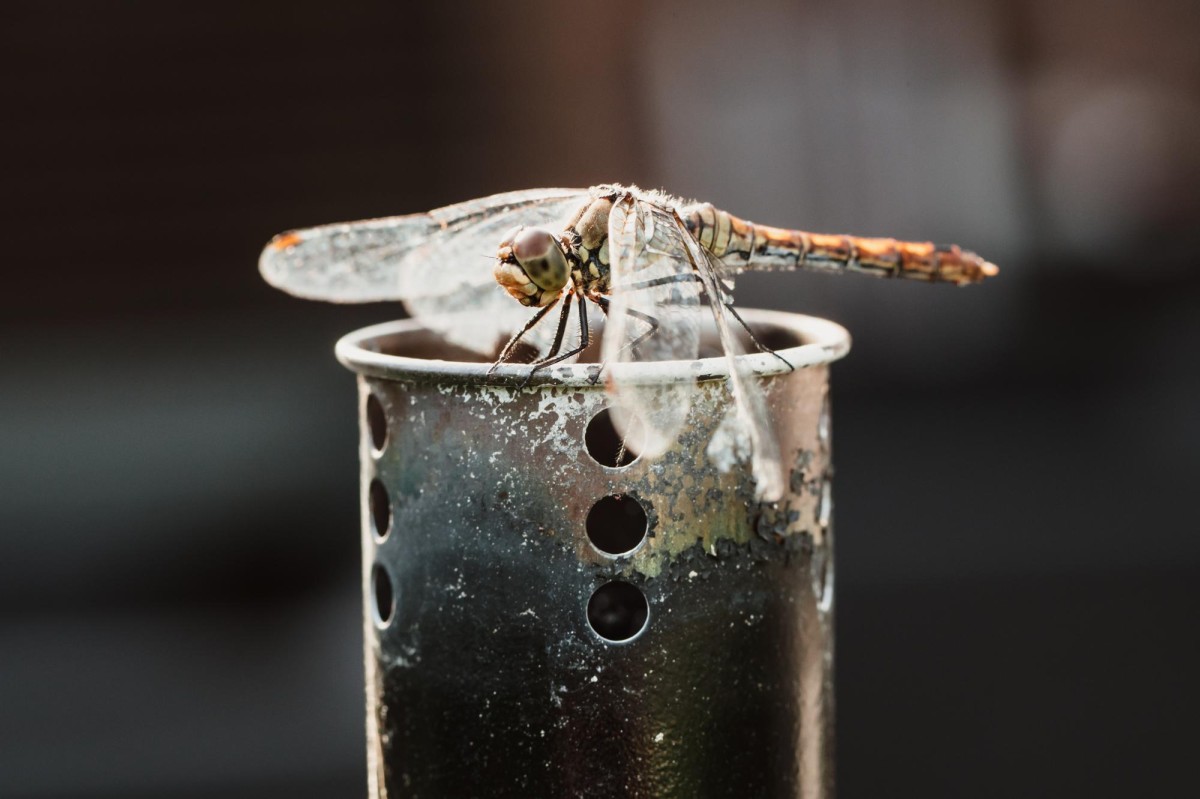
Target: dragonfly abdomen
pixel 743 245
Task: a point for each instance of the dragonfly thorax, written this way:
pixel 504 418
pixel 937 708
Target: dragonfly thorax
pixel 532 266
pixel 587 240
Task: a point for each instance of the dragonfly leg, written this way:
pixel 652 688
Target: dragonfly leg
pixel 728 303
pixel 761 347
pixel 653 323
pixel 562 327
pixel 507 352
pixel 584 341
pixel 649 320
pixel 686 277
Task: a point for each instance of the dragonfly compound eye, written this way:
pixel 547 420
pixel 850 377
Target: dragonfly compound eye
pixel 532 266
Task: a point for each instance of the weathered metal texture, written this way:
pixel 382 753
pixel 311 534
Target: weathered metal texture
pixel 488 679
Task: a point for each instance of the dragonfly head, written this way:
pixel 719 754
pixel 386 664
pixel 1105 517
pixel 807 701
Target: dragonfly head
pixel 532 266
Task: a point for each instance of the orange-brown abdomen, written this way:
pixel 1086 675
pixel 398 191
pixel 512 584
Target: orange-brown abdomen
pixel 742 245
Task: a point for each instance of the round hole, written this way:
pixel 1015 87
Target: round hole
pixel 385 598
pixel 376 423
pixel 616 524
pixel 606 446
pixel 381 509
pixel 618 611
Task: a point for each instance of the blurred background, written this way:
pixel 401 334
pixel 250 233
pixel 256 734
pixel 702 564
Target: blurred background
pixel 1018 538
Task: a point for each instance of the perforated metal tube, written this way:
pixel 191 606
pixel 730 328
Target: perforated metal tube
pixel 540 624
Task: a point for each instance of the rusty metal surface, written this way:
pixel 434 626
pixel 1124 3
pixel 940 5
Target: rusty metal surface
pixel 489 680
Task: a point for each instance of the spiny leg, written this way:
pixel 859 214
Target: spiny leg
pixel 507 352
pixel 761 347
pixel 682 277
pixel 620 453
pixel 728 303
pixel 653 324
pixel 562 327
pixel 584 341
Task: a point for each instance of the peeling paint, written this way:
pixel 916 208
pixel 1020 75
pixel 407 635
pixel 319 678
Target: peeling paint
pixel 491 487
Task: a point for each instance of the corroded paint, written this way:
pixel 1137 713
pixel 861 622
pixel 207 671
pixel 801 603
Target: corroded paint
pixel 696 498
pixel 488 675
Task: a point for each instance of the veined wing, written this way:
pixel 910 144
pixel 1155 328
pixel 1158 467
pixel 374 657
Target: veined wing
pixel 654 315
pixel 435 262
pixel 368 260
pixel 748 396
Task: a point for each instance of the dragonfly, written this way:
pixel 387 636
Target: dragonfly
pixel 654 265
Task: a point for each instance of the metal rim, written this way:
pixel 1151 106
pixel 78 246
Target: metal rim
pixel 825 342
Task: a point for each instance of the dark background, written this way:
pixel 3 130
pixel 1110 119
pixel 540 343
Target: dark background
pixel 1018 539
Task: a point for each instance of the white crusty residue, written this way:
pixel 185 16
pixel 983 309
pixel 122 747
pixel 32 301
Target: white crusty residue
pixel 729 444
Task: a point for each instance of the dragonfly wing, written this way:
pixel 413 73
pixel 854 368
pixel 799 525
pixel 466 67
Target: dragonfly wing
pixel 654 315
pixel 462 300
pixel 749 399
pixel 436 262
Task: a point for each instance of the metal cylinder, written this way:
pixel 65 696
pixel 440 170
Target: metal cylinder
pixel 548 615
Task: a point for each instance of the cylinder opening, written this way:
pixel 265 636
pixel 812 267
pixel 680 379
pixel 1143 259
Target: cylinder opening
pixel 618 611
pixel 409 351
pixel 380 506
pixel 385 596
pixel 608 447
pixel 616 524
pixel 377 424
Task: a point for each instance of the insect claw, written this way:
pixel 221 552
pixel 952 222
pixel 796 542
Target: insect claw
pixel 528 378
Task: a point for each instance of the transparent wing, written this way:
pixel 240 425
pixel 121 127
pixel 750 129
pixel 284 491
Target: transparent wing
pixel 654 315
pixel 461 299
pixel 438 262
pixel 749 400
